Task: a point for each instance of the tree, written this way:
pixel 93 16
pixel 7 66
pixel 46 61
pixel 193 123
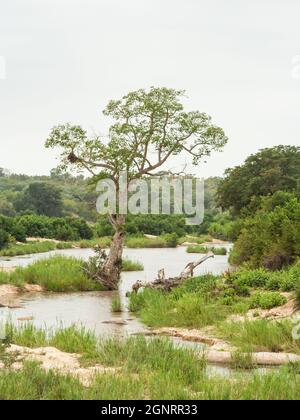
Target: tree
pixel 270 238
pixel 4 239
pixel 149 127
pixel 270 170
pixel 41 198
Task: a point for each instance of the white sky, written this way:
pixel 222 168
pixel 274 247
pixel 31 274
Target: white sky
pixel 66 58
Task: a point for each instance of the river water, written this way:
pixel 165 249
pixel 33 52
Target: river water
pixel 93 310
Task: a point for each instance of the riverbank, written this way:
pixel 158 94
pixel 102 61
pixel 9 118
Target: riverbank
pixel 246 314
pixel 74 364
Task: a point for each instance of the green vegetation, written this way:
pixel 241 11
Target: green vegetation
pixel 128 265
pixel 92 243
pixel 261 335
pixel 263 174
pixel 153 369
pixel 242 360
pixel 267 300
pixel 29 248
pixel 204 250
pixel 62 229
pixel 58 274
pixel 143 242
pixel 55 274
pixel 190 305
pixel 207 300
pixel 270 238
pixel 285 280
pixel 41 198
pixel 116 305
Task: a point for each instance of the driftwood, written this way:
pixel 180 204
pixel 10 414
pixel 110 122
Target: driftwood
pixel 167 284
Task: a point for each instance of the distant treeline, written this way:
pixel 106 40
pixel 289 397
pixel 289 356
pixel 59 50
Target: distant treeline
pixel 64 229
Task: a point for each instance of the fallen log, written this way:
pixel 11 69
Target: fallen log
pixel 168 284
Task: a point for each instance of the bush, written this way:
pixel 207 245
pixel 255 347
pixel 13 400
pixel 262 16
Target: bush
pixel 267 300
pixel 198 249
pixel 62 229
pixel 171 240
pixel 251 278
pixel 271 238
pixel 4 239
pixel 290 279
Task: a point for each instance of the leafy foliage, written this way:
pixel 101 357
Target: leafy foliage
pixel 271 238
pixel 263 174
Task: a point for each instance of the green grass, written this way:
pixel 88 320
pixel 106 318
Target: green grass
pixel 116 305
pixel 198 249
pixel 177 309
pixel 34 383
pixel 29 248
pixel 54 274
pixel 4 277
pixel 148 369
pixel 103 242
pixel 58 274
pixel 286 280
pixel 195 239
pixel 143 242
pixel 128 265
pixel 242 360
pixel 261 335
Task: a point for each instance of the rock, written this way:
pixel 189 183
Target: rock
pixel 115 322
pixel 26 318
pixel 33 288
pixel 259 359
pixel 54 359
pixel 197 336
pixel 8 290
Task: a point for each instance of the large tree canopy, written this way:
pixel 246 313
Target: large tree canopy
pixel 42 198
pixel 149 127
pixel 270 170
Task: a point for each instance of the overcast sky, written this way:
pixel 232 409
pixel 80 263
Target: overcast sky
pixel 66 58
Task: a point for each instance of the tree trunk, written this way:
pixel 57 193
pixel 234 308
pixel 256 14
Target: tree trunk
pixel 111 269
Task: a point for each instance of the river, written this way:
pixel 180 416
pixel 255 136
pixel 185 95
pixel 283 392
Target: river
pixel 93 310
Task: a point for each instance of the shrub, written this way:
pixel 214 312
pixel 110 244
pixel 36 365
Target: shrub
pixel 271 238
pixel 4 239
pixel 203 285
pixel 171 240
pixel 267 300
pixel 63 229
pixel 291 278
pixel 251 278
